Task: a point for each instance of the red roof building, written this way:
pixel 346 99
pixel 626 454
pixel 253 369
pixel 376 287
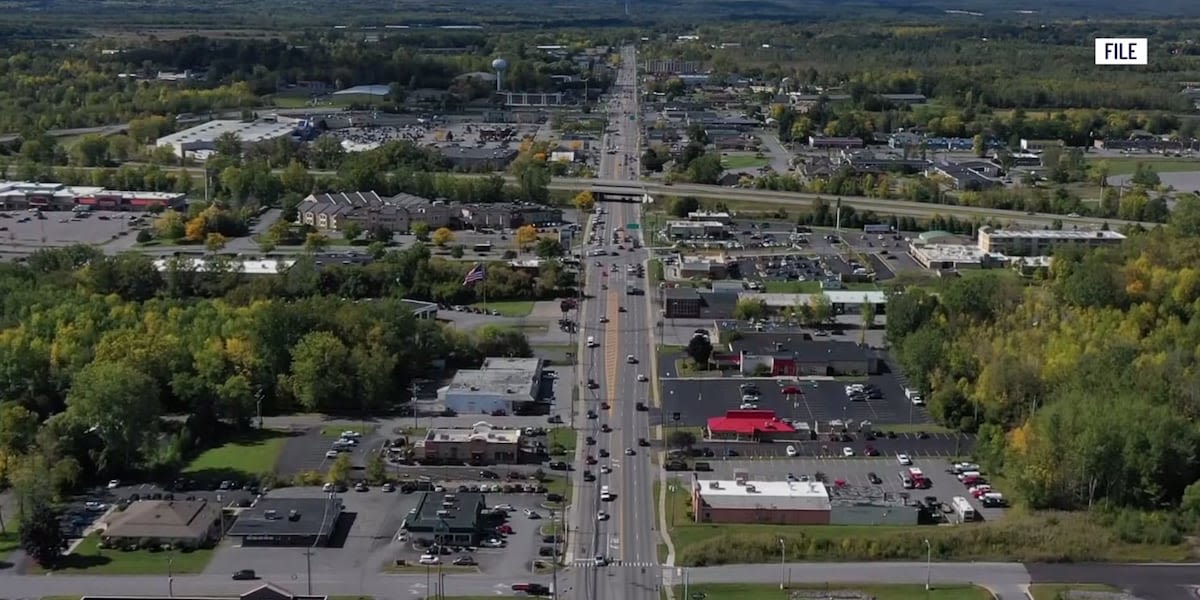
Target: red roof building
pixel 749 425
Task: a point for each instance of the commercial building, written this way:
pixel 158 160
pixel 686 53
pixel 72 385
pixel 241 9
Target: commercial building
pixel 681 303
pixel 743 500
pixel 181 523
pixel 266 591
pixel 689 268
pixel 23 195
pixel 951 257
pixel 723 218
pixel 834 143
pixel 367 209
pixel 765 502
pixel 204 137
pixel 966 176
pixel 450 518
pixel 756 425
pixel 474 159
pixel 677 230
pixel 479 444
pixel 278 521
pixel 842 301
pixel 103 199
pixel 1041 242
pixel 501 385
pixel 794 354
pixel 510 215
pixel 422 309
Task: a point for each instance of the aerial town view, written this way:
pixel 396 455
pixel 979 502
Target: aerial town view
pixel 637 300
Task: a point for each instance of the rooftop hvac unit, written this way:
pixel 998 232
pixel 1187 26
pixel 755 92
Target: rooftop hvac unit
pixel 750 487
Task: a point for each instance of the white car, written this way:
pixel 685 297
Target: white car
pixel 791 451
pixel 350 435
pixel 605 470
pixel 642 377
pixel 503 507
pixel 601 516
pixel 114 484
pixel 748 406
pixel 492 543
pixel 95 506
pixel 531 514
pixel 847 451
pixel 903 459
pixel 429 559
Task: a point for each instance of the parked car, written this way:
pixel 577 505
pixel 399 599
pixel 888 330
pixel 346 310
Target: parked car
pixel 245 575
pixel 429 559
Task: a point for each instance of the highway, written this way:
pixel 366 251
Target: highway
pixel 615 558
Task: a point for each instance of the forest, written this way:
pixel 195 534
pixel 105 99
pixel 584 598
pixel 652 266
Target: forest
pixel 95 349
pixel 1082 385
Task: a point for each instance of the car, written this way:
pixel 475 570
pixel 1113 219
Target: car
pixel 591 441
pixel 631 359
pixel 730 452
pixel 847 451
pixel 604 406
pixel 331 454
pixel 465 561
pixel 903 459
pixel 532 514
pixel 350 434
pixel 871 451
pixel 791 477
pixel 641 407
pixel 605 428
pixel 643 442
pixel 873 478
pixel 642 377
pixel 589 476
pixel 114 484
pixel 600 560
pixel 429 559
pixel 245 575
pixel 603 320
pixel 327 488
pixel 621 309
pixel 748 406
pixel 791 450
pixel 603 453
pixel 629 452
pixel 388 487
pixel 592 385
pixel 601 516
pixel 605 470
pixel 493 543
pixel 361 487
pixel 591 414
pixel 591 460
pixel 503 507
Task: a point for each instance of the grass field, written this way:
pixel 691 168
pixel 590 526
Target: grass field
pixel 1054 591
pixel 88 558
pixel 9 541
pixel 562 436
pixel 254 454
pixel 335 431
pixel 793 287
pixel 304 100
pixel 509 308
pixel 1021 535
pixel 1126 165
pixel 771 591
pixel 743 161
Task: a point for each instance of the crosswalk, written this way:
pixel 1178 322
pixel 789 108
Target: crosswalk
pixel 589 562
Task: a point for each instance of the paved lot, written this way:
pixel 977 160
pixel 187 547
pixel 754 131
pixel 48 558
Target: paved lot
pixel 53 231
pixel 820 401
pixel 306 452
pixel 934 445
pixel 854 473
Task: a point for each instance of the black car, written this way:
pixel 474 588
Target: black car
pixel 591 441
pixel 873 478
pixel 592 384
pixel 489 475
pixel 603 453
pixel 605 428
pixel 465 561
pixel 641 406
pixel 591 414
pixel 643 442
pixel 245 575
pixel 588 476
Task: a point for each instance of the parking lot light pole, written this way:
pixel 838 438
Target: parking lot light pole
pixel 928 566
pixel 782 565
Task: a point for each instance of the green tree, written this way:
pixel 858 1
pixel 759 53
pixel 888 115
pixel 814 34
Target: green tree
pixel 749 309
pixel 315 242
pixel 584 201
pixel 681 439
pixel 122 405
pixel 18 428
pixel 376 469
pixel 352 231
pixel 322 374
pixel 458 251
pixel 681 207
pixel 339 471
pixel 215 242
pixel 420 229
pixel 548 248
pixel 700 349
pixel 41 535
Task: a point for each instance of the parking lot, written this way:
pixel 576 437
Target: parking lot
pixel 372 541
pixel 819 401
pixel 932 445
pixel 853 475
pixel 57 228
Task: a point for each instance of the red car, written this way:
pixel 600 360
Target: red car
pixel 871 451
pixel 506 529
pixel 791 389
pixel 590 460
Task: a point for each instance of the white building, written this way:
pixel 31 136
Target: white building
pixel 204 137
pixel 501 384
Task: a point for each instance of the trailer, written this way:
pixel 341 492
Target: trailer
pixel 877 228
pixel 963 508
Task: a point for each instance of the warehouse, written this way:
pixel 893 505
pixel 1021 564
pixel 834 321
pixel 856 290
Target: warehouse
pixel 204 137
pixel 789 355
pixel 275 521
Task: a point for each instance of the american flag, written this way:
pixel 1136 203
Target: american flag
pixel 474 275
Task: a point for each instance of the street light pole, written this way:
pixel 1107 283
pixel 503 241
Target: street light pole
pixel 782 565
pixel 928 567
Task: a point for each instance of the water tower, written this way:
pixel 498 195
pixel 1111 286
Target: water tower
pixel 500 65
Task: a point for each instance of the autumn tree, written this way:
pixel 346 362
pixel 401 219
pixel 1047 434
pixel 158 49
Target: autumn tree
pixel 442 236
pixel 526 236
pixel 170 226
pixel 215 242
pixel 316 242
pixel 584 201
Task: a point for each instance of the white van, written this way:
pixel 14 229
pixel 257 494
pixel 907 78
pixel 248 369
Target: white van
pixel 591 342
pixel 605 495
pixel 914 396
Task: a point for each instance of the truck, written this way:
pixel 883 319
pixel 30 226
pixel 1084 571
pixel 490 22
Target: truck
pixel 914 396
pixel 962 508
pixel 877 228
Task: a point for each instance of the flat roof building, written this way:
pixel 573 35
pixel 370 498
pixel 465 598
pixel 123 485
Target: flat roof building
pixel 204 137
pixel 479 444
pixel 501 385
pixel 682 303
pixel 789 355
pixel 696 229
pixel 277 521
pixel 1041 242
pixel 744 501
pixel 949 257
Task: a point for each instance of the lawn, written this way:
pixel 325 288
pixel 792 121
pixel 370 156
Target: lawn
pixel 1053 591
pixel 303 99
pixel 335 431
pixel 1126 165
pixel 90 559
pixel 253 454
pixel 793 287
pixel 560 486
pixel 913 427
pixel 743 161
pixel 508 308
pixel 9 541
pixel 1020 536
pixel 769 591
pixel 655 272
pixel 563 437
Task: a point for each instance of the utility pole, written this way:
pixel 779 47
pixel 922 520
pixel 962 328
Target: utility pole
pixel 308 568
pixel 413 404
pixel 554 555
